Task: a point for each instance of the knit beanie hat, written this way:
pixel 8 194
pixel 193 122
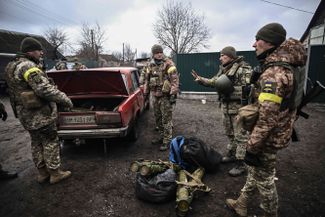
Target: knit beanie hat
pixel 273 33
pixel 229 51
pixel 156 49
pixel 30 44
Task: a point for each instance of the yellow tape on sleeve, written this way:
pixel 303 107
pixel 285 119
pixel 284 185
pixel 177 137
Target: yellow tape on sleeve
pixel 171 69
pixel 29 71
pixel 269 97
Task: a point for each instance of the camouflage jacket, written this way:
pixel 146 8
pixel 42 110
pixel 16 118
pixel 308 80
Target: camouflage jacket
pixel 239 73
pixel 24 76
pixel 162 79
pixel 273 128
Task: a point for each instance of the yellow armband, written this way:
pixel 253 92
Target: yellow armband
pixel 171 69
pixel 29 71
pixel 269 97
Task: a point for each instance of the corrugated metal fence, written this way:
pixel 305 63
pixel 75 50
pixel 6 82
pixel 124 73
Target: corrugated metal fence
pixel 206 65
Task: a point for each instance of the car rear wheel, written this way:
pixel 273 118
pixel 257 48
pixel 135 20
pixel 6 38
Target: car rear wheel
pixel 133 133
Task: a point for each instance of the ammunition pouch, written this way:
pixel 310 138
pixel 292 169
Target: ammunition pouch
pixel 154 82
pixel 30 100
pixel 166 87
pixel 224 85
pixel 247 116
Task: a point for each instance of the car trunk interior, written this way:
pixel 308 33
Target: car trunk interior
pixel 97 104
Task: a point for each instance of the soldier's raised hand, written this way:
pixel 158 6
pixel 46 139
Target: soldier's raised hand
pixel 195 75
pixel 3 112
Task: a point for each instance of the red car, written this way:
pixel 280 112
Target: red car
pixel 107 102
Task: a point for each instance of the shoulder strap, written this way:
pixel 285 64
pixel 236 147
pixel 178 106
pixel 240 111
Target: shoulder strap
pixel 277 63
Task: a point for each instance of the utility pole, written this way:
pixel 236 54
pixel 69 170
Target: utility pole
pixel 92 41
pixel 123 54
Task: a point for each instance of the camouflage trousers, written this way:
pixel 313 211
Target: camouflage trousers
pixel 164 118
pixel 237 136
pixel 45 147
pixel 262 179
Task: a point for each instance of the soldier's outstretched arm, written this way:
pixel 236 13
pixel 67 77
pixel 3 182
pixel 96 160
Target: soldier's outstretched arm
pixel 42 87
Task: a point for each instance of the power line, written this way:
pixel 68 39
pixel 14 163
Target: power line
pixel 51 12
pixel 285 6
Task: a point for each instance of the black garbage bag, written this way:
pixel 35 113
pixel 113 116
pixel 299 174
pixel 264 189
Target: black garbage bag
pixel 156 189
pixel 195 152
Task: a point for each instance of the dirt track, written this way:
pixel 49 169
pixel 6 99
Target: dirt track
pixel 103 185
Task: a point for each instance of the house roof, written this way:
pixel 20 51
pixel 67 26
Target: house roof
pixel 10 43
pixel 317 19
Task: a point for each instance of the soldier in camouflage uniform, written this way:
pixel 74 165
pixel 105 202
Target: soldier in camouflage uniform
pixel 78 65
pixel 239 73
pixel 33 98
pixel 273 128
pixel 5 175
pixel 161 79
pixel 61 65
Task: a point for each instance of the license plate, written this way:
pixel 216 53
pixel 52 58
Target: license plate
pixel 78 119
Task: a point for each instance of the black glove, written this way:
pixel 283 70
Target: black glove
pixel 172 99
pixel 3 113
pixel 252 159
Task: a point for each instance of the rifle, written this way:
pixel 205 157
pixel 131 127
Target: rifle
pixel 315 90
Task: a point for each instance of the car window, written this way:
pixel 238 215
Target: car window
pixel 135 80
pixel 125 82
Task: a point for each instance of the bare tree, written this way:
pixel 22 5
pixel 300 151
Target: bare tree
pixel 129 55
pixel 92 41
pixel 180 28
pixel 118 55
pixel 56 37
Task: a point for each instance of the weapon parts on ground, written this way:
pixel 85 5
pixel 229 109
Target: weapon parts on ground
pixel 187 183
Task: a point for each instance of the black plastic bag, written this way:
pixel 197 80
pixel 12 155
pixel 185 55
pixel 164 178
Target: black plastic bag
pixel 195 152
pixel 156 189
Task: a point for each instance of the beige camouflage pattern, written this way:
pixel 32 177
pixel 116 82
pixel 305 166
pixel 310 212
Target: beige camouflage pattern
pixel 46 114
pixel 40 121
pixel 45 147
pixel 164 118
pixel 162 81
pixel 61 65
pixel 241 73
pixel 274 127
pixel 157 76
pixel 262 179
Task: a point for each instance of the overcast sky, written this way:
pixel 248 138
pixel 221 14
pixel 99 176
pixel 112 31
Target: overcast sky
pixel 231 22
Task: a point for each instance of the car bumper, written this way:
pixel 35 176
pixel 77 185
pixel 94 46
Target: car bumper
pixel 93 133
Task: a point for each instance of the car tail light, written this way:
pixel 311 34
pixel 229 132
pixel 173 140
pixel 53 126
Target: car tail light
pixel 108 118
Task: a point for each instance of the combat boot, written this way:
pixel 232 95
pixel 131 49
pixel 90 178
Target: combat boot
pixel 58 175
pixel 43 175
pixel 229 157
pixel 157 141
pixel 163 147
pixel 239 169
pixel 239 205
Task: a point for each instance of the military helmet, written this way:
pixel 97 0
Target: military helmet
pixel 156 49
pixel 224 85
pixel 30 44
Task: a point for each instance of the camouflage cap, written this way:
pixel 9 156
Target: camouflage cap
pixel 156 49
pixel 273 33
pixel 30 44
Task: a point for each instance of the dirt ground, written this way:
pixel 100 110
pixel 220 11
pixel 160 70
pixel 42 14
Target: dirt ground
pixel 103 185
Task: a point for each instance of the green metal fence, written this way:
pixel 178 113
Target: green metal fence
pixel 206 64
pixel 316 67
